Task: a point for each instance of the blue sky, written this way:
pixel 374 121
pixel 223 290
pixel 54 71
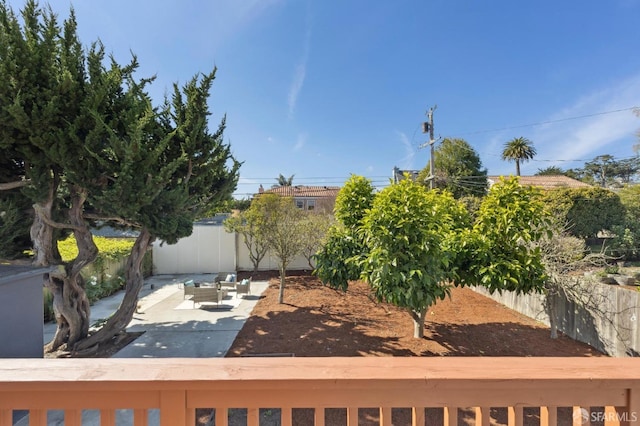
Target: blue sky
pixel 321 89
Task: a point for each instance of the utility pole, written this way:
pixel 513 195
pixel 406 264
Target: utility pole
pixel 428 127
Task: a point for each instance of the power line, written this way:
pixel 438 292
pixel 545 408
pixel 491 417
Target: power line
pixel 540 123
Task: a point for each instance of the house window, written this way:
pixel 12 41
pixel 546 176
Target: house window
pixel 311 204
pixel 300 204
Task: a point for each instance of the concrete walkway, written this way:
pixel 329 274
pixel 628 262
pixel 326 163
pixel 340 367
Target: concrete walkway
pixel 173 327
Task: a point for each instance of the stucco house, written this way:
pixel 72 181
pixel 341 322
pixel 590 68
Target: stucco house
pixel 307 197
pixel 544 182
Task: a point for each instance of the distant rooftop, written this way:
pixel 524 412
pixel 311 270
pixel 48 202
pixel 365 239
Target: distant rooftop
pixel 545 182
pixel 304 191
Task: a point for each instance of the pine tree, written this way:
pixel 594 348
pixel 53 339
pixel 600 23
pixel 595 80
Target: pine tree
pixel 94 148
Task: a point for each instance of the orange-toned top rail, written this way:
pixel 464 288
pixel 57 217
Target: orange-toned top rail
pixel 177 386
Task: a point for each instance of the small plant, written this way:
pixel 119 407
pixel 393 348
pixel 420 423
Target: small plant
pixel 612 269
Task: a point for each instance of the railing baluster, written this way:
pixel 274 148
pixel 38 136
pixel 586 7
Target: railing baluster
pixel 417 416
pixel 6 417
pixel 37 417
pixel 72 417
pixel 318 414
pixel 173 408
pixel 483 416
pixel 515 416
pixel 222 416
pixel 579 414
pixel 285 416
pixel 548 416
pixel 107 418
pixel 352 416
pixel 141 417
pixel 611 416
pixel 450 416
pixel 253 416
pixel 385 416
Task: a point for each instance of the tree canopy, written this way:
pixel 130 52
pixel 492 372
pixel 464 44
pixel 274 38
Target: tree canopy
pixel 586 211
pixel 411 245
pixel 519 150
pixel 92 147
pixel 458 169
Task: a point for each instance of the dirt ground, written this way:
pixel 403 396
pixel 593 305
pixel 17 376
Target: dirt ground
pixel 318 321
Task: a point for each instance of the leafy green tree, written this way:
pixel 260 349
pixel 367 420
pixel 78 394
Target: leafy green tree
pixel 518 150
pixel 353 201
pixel 250 225
pixel 498 252
pixel 337 261
pixel 413 245
pixel 283 232
pixel 586 211
pixel 602 169
pixel 314 228
pixel 406 233
pixel 458 169
pixel 95 149
pixel 626 243
pixel 550 171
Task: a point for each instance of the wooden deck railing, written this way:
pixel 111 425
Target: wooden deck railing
pixel 177 386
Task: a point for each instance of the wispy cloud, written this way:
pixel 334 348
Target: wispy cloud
pixel 406 162
pixel 609 127
pixel 302 140
pixel 301 68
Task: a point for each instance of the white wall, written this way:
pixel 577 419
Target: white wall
pixel 208 249
pixel 211 249
pixel 268 263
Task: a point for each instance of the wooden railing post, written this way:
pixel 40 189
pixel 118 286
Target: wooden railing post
pixel 450 416
pixel 385 416
pixel 515 416
pixel 548 416
pixel 318 414
pixel 72 417
pixel 173 408
pixel 6 417
pixel 417 414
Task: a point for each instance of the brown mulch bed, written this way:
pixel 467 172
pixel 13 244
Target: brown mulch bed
pixel 318 321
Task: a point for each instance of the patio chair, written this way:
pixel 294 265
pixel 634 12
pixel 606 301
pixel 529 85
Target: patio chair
pixel 208 294
pixel 224 281
pixel 188 287
pixel 243 287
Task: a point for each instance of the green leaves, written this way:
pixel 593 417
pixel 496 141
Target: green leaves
pixel 586 211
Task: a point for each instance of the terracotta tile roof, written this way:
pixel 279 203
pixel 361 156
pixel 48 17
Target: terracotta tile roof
pixel 305 191
pixel 546 182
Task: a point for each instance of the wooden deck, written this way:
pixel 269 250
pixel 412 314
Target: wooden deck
pixel 177 386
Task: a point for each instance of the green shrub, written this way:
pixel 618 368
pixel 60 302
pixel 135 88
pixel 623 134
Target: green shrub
pixel 98 282
pixel 586 211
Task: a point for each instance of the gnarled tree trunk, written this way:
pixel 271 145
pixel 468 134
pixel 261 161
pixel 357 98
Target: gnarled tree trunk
pixel 71 305
pixel 122 317
pixel 45 248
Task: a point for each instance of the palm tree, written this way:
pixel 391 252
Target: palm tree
pixel 284 181
pixel 518 149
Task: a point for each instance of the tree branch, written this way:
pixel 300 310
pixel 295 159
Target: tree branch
pixel 13 185
pixel 52 223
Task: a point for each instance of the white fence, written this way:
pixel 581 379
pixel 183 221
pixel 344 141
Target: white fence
pixel 208 249
pixel 211 249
